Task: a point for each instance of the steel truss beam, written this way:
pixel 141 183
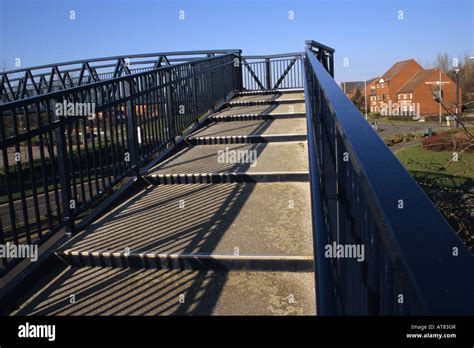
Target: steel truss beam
pixel 23 83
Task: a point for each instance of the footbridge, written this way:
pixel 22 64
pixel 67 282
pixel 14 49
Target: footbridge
pixel 211 183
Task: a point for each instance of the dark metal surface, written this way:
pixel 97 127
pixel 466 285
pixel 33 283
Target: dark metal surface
pixel 325 295
pixel 279 71
pixel 22 83
pixel 414 261
pixel 323 53
pixel 56 167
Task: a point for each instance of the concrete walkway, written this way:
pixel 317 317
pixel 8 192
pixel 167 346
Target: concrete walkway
pixel 224 228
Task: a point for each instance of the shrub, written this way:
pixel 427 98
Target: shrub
pixel 449 141
pixel 401 138
pixel 402 118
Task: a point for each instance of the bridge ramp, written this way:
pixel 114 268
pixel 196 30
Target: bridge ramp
pixel 208 235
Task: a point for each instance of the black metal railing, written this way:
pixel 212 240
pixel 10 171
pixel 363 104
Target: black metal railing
pixel 413 261
pixel 64 151
pixel 27 82
pixel 279 71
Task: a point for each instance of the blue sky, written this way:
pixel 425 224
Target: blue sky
pixel 366 32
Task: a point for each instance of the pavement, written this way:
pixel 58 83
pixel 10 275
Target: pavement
pixel 118 291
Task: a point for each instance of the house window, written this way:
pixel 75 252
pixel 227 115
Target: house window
pixel 399 96
pixel 381 86
pixel 411 95
pixel 404 96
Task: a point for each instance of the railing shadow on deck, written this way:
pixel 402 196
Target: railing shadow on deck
pixel 150 227
pixel 158 230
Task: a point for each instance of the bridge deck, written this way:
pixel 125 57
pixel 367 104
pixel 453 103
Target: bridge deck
pixel 276 110
pixel 255 127
pixel 118 291
pixel 270 157
pixel 214 219
pixel 230 246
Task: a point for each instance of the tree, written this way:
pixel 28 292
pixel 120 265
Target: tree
pixel 466 79
pixel 358 99
pixel 443 62
pixel 466 73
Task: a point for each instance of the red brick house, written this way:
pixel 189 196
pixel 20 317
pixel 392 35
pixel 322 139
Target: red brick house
pixel 386 88
pixel 424 88
pixel 350 88
pixel 408 87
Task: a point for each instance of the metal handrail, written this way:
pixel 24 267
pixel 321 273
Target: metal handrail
pixel 54 94
pixel 413 250
pixel 80 159
pixel 144 55
pixel 273 56
pixel 272 72
pixel 324 293
pixel 46 77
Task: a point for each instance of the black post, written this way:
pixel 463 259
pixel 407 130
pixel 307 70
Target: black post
pixel 132 126
pixel 195 87
pixel 268 73
pixel 64 177
pixel 224 93
pixel 240 84
pixel 331 64
pixel 170 106
pixel 211 86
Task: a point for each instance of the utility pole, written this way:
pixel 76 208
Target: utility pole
pixel 440 96
pixel 440 99
pixel 457 96
pixel 365 95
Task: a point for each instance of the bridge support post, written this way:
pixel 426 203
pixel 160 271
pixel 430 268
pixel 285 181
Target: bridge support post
pixel 223 73
pixel 132 128
pixel 240 73
pixel 211 82
pixel 64 177
pixel 170 111
pixel 195 96
pixel 331 64
pixel 268 74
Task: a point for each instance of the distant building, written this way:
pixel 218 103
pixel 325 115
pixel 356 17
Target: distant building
pixel 424 89
pixel 350 88
pixel 408 89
